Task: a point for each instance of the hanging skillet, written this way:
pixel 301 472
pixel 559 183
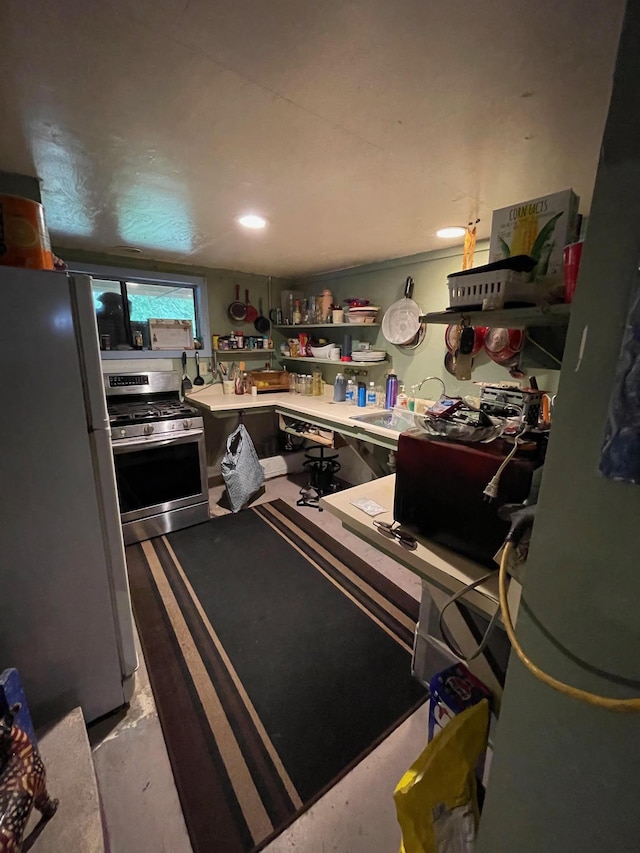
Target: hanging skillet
pixel 237 310
pixel 261 323
pixel 401 322
pixel 251 312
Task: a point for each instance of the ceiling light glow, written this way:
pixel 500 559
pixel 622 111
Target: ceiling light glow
pixel 252 220
pixel 451 232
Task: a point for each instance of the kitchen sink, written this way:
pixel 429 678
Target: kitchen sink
pixel 386 418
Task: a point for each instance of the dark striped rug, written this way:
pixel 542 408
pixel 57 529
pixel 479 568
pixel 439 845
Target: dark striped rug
pixel 278 660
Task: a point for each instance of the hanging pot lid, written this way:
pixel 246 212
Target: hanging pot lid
pixel 503 344
pixel 401 322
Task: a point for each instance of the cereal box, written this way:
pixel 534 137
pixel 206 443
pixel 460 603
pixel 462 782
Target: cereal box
pixel 541 228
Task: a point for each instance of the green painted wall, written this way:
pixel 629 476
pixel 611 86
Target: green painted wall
pixel 566 776
pixel 383 284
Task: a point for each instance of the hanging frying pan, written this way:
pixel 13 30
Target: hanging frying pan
pixel 452 338
pixel 237 310
pixel 252 313
pixel 414 343
pixel 450 363
pixel 261 323
pixel 401 322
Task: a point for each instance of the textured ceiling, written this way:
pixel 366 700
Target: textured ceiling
pixel 358 128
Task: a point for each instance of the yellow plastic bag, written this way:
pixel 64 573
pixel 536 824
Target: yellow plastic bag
pixel 436 799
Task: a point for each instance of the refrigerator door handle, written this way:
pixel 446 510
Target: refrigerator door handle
pixel 89 351
pixel 114 549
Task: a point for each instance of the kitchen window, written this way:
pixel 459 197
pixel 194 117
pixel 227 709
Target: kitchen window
pixel 125 300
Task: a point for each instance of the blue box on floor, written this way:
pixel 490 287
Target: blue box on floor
pixel 12 691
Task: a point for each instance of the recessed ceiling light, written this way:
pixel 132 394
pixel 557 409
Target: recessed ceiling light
pixel 252 220
pixel 451 232
pixel 130 250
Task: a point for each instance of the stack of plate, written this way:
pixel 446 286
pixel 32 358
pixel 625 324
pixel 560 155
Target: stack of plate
pixel 362 314
pixel 368 355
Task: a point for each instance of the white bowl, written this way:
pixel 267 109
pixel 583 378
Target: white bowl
pixel 360 318
pixel 323 352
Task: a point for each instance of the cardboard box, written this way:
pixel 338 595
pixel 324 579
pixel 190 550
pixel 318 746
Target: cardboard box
pixel 541 227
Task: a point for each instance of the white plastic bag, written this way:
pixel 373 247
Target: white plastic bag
pixel 242 472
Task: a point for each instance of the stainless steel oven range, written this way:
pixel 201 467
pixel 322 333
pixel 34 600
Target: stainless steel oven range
pixel 158 446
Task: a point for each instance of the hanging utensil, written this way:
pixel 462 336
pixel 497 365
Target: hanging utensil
pixel 251 314
pixel 198 380
pixel 464 353
pixel 261 323
pixel 186 382
pixel 401 322
pixel 237 310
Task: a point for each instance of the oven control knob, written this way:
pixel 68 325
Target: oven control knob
pixel 148 429
pixel 123 432
pixel 186 424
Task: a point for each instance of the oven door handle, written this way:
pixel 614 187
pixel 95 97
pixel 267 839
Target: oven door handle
pixel 129 447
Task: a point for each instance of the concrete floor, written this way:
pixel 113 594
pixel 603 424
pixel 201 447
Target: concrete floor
pixel 141 807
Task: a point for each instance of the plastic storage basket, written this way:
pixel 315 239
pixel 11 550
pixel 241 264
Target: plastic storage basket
pixel 500 286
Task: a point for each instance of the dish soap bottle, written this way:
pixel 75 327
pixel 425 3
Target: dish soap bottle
pixel 402 400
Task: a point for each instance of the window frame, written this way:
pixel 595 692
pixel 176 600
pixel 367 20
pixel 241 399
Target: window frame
pixel 197 283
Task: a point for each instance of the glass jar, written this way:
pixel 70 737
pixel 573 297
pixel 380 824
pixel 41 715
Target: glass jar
pixel 318 384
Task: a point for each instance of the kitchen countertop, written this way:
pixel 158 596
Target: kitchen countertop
pixel 444 568
pixel 320 410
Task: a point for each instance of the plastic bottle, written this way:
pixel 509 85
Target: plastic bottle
pixel 371 394
pixel 351 392
pixel 391 390
pixel 340 388
pixel 402 400
pixel 362 395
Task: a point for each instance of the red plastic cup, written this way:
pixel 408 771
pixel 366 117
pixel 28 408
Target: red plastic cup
pixel 572 256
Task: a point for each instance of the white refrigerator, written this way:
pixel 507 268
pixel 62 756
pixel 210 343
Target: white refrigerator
pixel 65 610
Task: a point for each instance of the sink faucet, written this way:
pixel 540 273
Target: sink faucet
pixel 416 388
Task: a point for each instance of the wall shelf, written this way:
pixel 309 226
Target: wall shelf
pixel 505 318
pixel 258 353
pixel 332 361
pixel 331 326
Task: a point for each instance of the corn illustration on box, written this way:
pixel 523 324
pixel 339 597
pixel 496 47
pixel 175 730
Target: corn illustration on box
pixel 541 228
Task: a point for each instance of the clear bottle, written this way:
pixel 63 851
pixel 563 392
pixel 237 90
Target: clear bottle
pixel 297 314
pixel 318 384
pixel 351 392
pixel 293 383
pixel 380 396
pixel 371 394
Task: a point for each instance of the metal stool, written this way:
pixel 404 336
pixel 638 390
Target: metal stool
pixel 322 464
